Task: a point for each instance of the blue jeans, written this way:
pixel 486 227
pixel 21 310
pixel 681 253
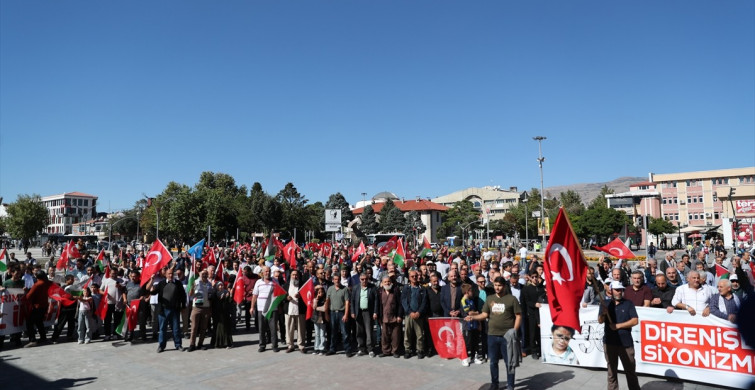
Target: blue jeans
pixel 171 316
pixel 337 324
pixel 497 346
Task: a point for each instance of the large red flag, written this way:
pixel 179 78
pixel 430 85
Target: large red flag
pixel 210 257
pixel 57 293
pixel 101 310
pixel 220 273
pixel 239 290
pixel 360 251
pixel 389 246
pixel 157 258
pixel 327 249
pixel 63 261
pixel 617 249
pixel 289 252
pixel 306 292
pixel 565 273
pixel 448 337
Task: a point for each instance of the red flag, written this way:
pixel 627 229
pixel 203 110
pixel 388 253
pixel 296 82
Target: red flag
pixel 306 292
pixel 617 249
pixel 101 256
pixel 57 293
pixel 101 310
pixel 389 246
pixel 220 273
pixel 210 257
pixel 73 251
pixel 448 338
pixel 565 273
pixel 132 313
pixel 289 253
pixel 279 244
pixel 360 251
pixel 721 271
pixel 157 258
pixel 327 249
pixel 752 266
pixel 239 290
pixel 63 261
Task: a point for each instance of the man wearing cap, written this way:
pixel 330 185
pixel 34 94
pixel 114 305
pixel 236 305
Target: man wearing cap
pixel 736 287
pixel 618 318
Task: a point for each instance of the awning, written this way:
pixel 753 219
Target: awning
pixel 694 229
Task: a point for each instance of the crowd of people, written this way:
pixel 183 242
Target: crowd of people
pixel 369 307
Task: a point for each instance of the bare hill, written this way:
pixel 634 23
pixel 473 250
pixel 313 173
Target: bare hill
pixel 588 191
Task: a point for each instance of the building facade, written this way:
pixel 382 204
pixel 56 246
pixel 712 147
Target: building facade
pixel 492 201
pixel 429 212
pixel 68 209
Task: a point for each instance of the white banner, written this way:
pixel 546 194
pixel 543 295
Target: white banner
pixel 13 317
pixel 676 345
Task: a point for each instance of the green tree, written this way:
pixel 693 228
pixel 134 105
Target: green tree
pixel 292 206
pixel 369 223
pixel 391 218
pixel 27 216
pixel 461 217
pixel 315 220
pixel 413 228
pixel 599 222
pixel 600 201
pixel 572 203
pixel 658 226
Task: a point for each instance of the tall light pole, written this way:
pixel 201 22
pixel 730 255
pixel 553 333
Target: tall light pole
pixel 540 160
pixel 526 223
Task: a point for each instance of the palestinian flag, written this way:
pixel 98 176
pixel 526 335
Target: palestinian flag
pixel 278 296
pixel 77 290
pixel 122 325
pixel 398 254
pixel 426 250
pixel 192 277
pixel 3 260
pixel 722 272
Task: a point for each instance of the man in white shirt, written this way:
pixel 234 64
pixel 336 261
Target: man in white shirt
pixel 522 252
pixel 693 296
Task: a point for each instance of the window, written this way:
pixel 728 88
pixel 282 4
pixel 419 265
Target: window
pixel 700 199
pixel 694 216
pixel 689 199
pixel 664 200
pixel 86 202
pixel 676 201
pixel 716 215
pixel 673 184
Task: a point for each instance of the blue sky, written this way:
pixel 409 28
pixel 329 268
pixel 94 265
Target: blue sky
pixel 421 98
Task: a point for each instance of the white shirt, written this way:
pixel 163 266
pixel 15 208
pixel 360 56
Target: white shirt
pixel 522 253
pixel 293 304
pixel 263 290
pixel 697 298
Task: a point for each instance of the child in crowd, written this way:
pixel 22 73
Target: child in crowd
pixel 85 318
pixel 471 329
pixel 319 316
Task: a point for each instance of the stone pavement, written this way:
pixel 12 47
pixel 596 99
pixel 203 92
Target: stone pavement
pixel 120 365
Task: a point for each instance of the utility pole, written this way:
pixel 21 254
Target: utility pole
pixel 540 160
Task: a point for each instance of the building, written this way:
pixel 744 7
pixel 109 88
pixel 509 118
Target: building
pixel 68 209
pixel 491 201
pixel 695 202
pixel 429 212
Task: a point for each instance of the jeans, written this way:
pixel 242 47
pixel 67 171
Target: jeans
pixel 85 325
pixel 320 336
pixel 169 316
pixel 497 347
pixel 337 324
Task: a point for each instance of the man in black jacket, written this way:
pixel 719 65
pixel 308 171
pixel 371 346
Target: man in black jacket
pixel 171 298
pixel 364 313
pixel 414 303
pixel 533 294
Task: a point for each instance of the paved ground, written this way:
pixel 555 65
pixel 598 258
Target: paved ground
pixel 120 365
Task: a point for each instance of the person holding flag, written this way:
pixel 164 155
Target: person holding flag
pixel 267 313
pixel 171 299
pixel 295 313
pixel 201 293
pixel 618 318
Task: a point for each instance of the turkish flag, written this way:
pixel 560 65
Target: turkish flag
pixel 210 257
pixel 389 246
pixel 327 249
pixel 360 251
pixel 220 273
pixel 239 290
pixel 57 293
pixel 617 249
pixel 157 258
pixel 101 310
pixel 63 261
pixel 289 252
pixel 306 292
pixel 73 251
pixel 132 313
pixel 448 337
pixel 565 273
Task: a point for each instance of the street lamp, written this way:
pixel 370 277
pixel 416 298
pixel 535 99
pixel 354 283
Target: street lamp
pixel 540 160
pixel 526 222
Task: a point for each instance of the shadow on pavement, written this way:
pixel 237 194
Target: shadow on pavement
pixel 28 380
pixel 544 381
pixel 663 385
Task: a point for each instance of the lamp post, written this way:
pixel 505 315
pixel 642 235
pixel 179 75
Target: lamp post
pixel 526 223
pixel 540 160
